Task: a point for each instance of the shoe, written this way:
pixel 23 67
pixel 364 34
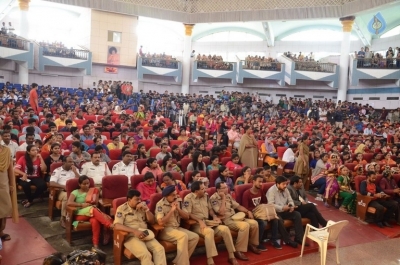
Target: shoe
pixel 319 199
pixel 292 244
pixel 254 249
pixel 300 242
pixel 62 222
pixel 262 248
pixel 240 255
pixel 387 224
pixel 327 205
pixel 379 224
pixel 233 261
pixel 276 245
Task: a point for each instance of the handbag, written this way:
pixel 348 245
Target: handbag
pixel 265 212
pixel 92 195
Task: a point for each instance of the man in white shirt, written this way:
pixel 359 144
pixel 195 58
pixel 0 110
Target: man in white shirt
pixel 126 167
pixel 163 153
pixel 368 130
pixel 290 156
pixel 95 169
pixel 7 142
pixel 30 139
pixel 59 179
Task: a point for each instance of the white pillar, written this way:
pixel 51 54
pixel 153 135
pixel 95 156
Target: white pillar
pixel 347 23
pixel 23 73
pixel 24 25
pixel 186 62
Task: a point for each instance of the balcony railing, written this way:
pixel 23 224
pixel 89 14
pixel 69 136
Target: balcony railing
pixel 315 67
pixel 159 62
pixel 65 53
pixel 14 43
pixel 378 63
pixel 215 65
pixel 261 65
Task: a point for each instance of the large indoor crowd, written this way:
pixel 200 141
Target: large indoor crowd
pixel 205 168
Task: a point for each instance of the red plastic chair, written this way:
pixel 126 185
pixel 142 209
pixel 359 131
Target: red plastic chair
pixel 213 175
pixel 141 163
pixel 113 186
pixel 147 143
pixel 115 154
pixel 154 199
pixel 154 152
pixel 184 163
pixel 135 180
pixel 211 191
pixel 225 160
pixel 183 194
pixel 239 190
pixel 112 163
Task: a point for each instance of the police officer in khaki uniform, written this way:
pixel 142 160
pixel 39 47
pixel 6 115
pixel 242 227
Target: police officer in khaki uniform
pixel 132 216
pixel 224 206
pixel 169 214
pixel 196 205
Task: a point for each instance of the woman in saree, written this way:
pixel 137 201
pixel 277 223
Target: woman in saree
pixel 346 192
pixel 248 146
pixel 302 164
pixel 332 186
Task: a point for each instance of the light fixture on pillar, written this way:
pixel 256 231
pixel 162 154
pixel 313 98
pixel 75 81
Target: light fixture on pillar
pixel 24 5
pixel 347 23
pixel 188 29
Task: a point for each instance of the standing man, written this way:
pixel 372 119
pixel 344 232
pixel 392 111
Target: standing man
pixel 284 206
pixel 304 207
pixel 224 206
pixel 196 205
pixel 169 214
pixel 59 179
pixel 131 217
pixel 33 98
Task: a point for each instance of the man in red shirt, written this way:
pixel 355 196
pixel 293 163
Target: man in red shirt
pixel 33 98
pixel 251 199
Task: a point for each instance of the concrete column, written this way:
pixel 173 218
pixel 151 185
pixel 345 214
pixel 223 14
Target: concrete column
pixel 186 62
pixel 347 23
pixel 24 8
pixel 23 73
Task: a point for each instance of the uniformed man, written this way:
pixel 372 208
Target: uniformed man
pixel 59 179
pixel 224 206
pixel 169 214
pixel 126 167
pixel 196 204
pixel 95 169
pixel 132 216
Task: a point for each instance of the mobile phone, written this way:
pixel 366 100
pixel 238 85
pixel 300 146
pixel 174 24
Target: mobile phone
pixel 146 232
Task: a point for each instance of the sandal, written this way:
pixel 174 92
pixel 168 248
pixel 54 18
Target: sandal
pixel 27 205
pixel 23 202
pixel 5 237
pixel 343 209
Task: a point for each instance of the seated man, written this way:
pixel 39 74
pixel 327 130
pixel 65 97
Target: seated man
pixel 169 214
pixel 224 206
pixel 32 123
pixel 78 155
pixel 163 153
pixel 254 197
pixel 126 167
pixel 59 179
pixel 95 169
pixel 284 206
pixel 380 200
pixel 304 207
pixel 131 217
pixel 196 205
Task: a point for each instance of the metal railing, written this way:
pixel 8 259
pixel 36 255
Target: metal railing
pixel 378 63
pixel 315 67
pixel 65 53
pixel 215 65
pixel 14 43
pixel 158 62
pixel 261 65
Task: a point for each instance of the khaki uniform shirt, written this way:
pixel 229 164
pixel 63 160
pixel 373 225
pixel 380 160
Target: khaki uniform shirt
pixel 196 206
pixel 130 217
pixel 230 205
pixel 163 207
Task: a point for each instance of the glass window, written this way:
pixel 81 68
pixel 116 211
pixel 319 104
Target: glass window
pixel 229 36
pixel 114 36
pixel 392 32
pixel 317 35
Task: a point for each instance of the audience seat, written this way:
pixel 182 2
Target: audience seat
pixel 135 180
pixel 113 186
pixel 213 175
pixel 154 152
pixel 175 175
pixel 184 163
pixel 225 160
pixel 53 192
pixel 141 163
pixel 188 176
pixel 115 154
pixel 362 201
pixel 147 143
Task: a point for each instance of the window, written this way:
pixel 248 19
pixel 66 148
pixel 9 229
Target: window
pixel 114 36
pixel 357 98
pixel 299 96
pixel 392 98
pixel 318 96
pixel 317 35
pixel 392 32
pixel 374 98
pixel 230 36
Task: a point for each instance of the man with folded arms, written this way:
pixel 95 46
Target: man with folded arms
pixel 196 205
pixel 59 179
pixel 169 214
pixel 224 206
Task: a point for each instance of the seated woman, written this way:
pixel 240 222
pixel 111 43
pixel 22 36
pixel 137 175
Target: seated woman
pixel 318 179
pixel 168 180
pixel 245 178
pixel 87 211
pixel 195 176
pixel 176 154
pixel 153 167
pixel 188 153
pixel 201 148
pixel 387 160
pixel 48 141
pixel 346 192
pixel 54 157
pixel 359 159
pixel 182 135
pixel 169 166
pixel 346 158
pixel 141 152
pixel 31 168
pixel 271 155
pixel 224 177
pixel 131 142
pixel 148 187
pixel 234 163
pixel 197 163
pixel 214 163
pixel 376 157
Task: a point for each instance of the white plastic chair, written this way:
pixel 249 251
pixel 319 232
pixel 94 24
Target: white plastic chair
pixel 323 236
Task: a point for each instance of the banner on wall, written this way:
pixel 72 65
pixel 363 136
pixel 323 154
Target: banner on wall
pixel 377 24
pixel 113 58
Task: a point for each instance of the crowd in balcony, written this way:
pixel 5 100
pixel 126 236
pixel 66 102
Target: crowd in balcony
pixel 215 62
pixel 261 63
pixel 369 59
pixel 300 57
pixel 9 39
pixel 158 59
pixel 58 49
